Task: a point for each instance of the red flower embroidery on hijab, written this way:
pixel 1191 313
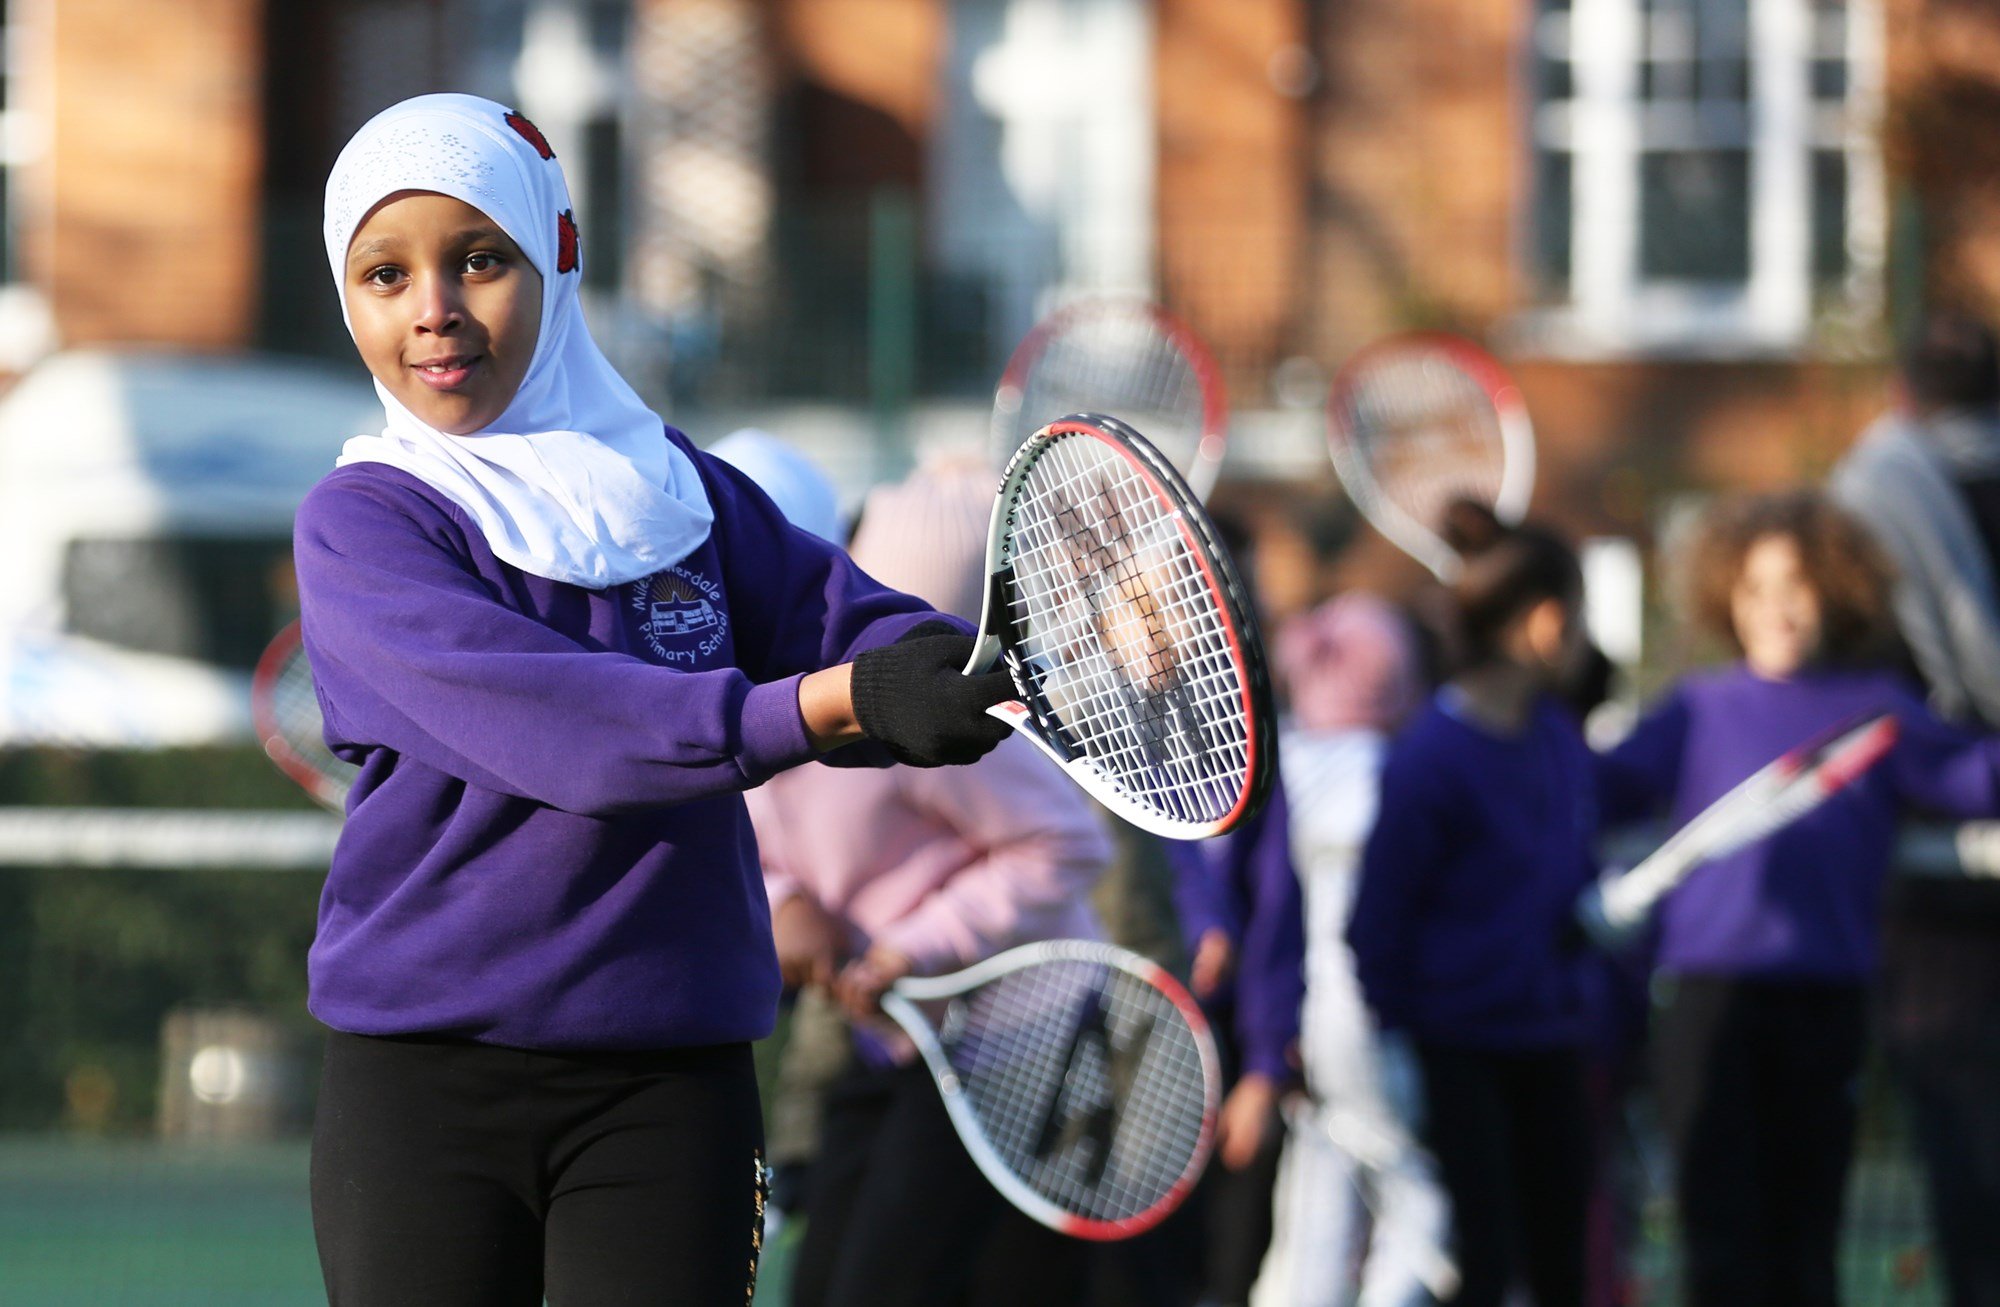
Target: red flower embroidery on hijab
pixel 565 242
pixel 531 134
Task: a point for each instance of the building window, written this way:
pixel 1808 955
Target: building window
pixel 1704 173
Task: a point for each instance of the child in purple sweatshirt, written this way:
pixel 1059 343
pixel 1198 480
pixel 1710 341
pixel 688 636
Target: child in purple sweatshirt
pixel 559 642
pixel 1770 949
pixel 1460 927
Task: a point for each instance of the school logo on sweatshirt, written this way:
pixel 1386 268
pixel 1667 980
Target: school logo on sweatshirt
pixel 681 617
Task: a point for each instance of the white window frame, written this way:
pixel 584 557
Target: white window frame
pixel 1612 311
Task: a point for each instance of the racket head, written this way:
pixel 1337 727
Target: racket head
pixel 1124 356
pixel 285 711
pixel 1420 420
pixel 1082 1077
pixel 1128 632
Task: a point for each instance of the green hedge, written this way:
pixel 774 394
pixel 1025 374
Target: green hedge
pixel 92 960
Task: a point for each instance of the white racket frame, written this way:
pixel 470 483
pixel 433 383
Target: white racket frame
pixel 1205 468
pixel 1420 540
pixel 1250 674
pixel 900 1003
pixel 1770 799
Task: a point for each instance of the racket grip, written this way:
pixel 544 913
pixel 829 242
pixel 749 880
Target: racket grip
pixel 1606 923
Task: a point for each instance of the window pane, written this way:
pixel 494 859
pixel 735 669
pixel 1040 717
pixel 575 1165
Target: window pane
pixel 1554 203
pixel 1695 215
pixel 1829 189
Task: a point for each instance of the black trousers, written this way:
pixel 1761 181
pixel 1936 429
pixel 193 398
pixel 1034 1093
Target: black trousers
pixel 897 1215
pixel 1941 1025
pixel 452 1174
pixel 1511 1132
pixel 1759 1086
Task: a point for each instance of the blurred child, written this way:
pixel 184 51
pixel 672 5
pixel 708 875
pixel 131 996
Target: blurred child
pixel 1481 844
pixel 880 875
pixel 1350 675
pixel 1769 950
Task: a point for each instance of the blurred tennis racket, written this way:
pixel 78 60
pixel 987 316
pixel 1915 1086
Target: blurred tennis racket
pixel 1129 358
pixel 1418 421
pixel 1128 634
pixel 1775 796
pixel 286 714
pixel 1082 1078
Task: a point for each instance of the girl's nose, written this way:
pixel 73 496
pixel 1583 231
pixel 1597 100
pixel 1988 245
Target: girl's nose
pixel 438 307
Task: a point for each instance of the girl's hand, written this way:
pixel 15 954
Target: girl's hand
pixel 1247 1122
pixel 914 697
pixel 811 944
pixel 1214 960
pixel 860 984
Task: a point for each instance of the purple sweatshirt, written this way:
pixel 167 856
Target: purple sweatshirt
pixel 547 845
pixel 1243 883
pixel 1802 904
pixel 1469 879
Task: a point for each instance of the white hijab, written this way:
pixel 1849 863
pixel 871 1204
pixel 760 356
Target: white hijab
pixel 576 480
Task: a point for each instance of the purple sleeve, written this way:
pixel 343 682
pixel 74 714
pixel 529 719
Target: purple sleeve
pixel 411 650
pixel 813 607
pixel 1402 853
pixel 1941 769
pixel 1270 981
pixel 1638 778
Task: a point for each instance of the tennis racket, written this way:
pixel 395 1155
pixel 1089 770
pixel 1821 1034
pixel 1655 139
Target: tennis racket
pixel 1129 636
pixel 1127 357
pixel 1774 797
pixel 286 714
pixel 1082 1078
pixel 1419 421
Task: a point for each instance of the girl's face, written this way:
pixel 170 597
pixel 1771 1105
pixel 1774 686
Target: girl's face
pixel 1548 639
pixel 1775 609
pixel 445 308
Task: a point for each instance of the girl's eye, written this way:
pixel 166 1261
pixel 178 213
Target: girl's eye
pixel 383 277
pixel 482 261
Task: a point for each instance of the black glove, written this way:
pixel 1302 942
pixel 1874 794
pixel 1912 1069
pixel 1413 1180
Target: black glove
pixel 914 698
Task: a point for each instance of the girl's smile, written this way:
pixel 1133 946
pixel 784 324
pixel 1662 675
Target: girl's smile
pixel 445 307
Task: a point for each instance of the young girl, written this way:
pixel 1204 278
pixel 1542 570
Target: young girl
pixel 1482 842
pixel 1349 671
pixel 874 875
pixel 559 642
pixel 1769 950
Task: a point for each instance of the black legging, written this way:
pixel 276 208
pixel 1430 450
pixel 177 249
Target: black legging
pixel 453 1174
pixel 898 1216
pixel 1511 1134
pixel 1759 1087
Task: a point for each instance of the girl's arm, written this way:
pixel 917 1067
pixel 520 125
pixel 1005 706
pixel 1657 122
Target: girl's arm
pixel 1402 855
pixel 411 650
pixel 1945 770
pixel 1043 848
pixel 1637 778
pixel 1271 982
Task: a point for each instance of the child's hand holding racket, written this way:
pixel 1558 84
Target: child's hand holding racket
pixel 915 700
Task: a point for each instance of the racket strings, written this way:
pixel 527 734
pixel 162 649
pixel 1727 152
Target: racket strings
pixel 298 727
pixel 1119 360
pixel 1424 433
pixel 1118 624
pixel 1100 1110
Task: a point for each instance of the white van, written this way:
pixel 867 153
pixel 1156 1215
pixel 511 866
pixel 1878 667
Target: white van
pixel 146 503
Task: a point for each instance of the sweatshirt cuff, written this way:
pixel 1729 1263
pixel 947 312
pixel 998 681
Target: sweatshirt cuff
pixel 774 730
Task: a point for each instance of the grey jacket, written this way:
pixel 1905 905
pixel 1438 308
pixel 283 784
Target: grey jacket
pixel 1900 479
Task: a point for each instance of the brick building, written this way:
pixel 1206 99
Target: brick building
pixel 1685 223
